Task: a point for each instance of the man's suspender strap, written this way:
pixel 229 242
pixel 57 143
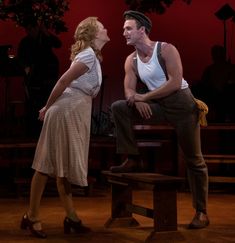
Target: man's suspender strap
pixel 160 60
pixel 203 108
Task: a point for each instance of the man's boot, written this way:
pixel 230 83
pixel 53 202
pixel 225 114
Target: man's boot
pixel 129 165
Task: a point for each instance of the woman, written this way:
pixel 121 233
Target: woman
pixel 62 149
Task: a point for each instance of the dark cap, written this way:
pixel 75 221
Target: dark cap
pixel 140 17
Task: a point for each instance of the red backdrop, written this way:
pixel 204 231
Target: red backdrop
pixel 192 28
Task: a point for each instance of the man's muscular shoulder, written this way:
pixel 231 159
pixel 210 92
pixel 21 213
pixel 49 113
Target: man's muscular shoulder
pixel 129 60
pixel 131 56
pixel 167 49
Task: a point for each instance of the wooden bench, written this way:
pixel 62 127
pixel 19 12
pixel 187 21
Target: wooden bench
pixel 21 157
pixel 164 211
pixel 218 146
pixel 220 158
pixel 18 158
pixel 224 161
pixel 102 152
pixel 163 160
pixel 110 142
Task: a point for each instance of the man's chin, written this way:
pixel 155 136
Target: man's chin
pixel 129 43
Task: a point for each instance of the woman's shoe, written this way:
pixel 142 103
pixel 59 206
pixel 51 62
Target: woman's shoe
pixel 26 223
pixel 78 227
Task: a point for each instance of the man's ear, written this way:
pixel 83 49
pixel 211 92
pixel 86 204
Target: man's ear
pixel 143 30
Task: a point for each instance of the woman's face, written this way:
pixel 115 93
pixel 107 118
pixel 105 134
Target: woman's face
pixel 102 33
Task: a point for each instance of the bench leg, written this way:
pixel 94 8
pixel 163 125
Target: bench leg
pixel 120 216
pixel 165 209
pixel 164 212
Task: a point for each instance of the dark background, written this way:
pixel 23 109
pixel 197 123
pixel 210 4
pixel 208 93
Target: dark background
pixel 193 28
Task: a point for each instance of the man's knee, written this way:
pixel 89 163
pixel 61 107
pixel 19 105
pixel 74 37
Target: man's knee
pixel 118 105
pixel 196 164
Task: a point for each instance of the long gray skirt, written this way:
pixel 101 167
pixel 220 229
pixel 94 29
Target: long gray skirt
pixel 63 145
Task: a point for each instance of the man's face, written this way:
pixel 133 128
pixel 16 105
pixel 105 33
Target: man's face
pixel 131 33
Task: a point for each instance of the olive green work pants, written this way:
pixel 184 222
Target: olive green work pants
pixel 180 110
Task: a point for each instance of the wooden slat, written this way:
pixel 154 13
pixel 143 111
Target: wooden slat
pixel 218 126
pixel 144 211
pixel 219 158
pixel 18 145
pixel 154 127
pixel 221 179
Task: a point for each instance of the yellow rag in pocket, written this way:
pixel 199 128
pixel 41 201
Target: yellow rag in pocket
pixel 203 110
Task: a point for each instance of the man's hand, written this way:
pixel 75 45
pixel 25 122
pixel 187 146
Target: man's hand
pixel 144 109
pixel 139 97
pixel 135 97
pixel 131 100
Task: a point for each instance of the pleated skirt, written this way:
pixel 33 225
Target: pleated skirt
pixel 63 145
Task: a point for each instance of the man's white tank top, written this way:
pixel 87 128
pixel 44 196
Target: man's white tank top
pixel 152 74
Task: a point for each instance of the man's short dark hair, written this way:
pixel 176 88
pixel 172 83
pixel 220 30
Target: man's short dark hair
pixel 141 19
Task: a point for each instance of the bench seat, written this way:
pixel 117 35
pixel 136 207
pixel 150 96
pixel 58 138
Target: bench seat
pixel 164 211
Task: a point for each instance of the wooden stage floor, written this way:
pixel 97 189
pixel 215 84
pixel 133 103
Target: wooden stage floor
pixel 95 211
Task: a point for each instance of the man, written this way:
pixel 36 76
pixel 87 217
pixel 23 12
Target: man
pixel 218 80
pixel 168 99
pixel 41 66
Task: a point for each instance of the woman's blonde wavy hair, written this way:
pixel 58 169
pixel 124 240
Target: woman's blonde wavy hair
pixel 84 36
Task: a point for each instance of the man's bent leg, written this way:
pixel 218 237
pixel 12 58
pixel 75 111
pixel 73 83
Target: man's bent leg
pixel 123 116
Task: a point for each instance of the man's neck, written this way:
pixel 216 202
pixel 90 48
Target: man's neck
pixel 145 49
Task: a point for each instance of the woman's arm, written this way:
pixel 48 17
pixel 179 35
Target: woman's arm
pixel 76 69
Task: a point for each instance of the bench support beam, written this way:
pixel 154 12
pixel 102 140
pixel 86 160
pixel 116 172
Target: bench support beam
pixel 164 211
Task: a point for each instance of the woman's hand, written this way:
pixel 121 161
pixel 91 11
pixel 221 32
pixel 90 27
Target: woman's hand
pixel 42 113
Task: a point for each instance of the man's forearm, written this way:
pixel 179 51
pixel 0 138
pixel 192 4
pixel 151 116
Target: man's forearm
pixel 129 93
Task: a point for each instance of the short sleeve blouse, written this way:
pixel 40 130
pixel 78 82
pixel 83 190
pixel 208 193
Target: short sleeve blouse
pixel 90 81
